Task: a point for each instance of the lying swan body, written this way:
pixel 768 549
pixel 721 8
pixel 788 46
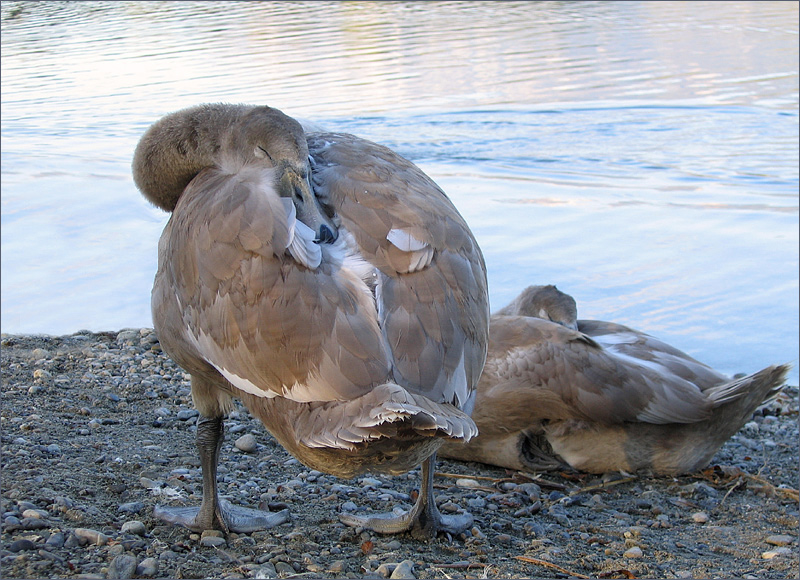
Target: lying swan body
pixel 328 284
pixel 599 396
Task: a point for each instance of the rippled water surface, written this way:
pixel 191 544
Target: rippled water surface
pixel 643 156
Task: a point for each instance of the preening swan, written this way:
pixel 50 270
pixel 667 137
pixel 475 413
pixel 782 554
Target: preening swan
pixel 326 282
pixel 599 396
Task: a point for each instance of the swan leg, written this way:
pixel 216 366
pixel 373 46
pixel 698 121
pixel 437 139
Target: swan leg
pixel 214 513
pixel 423 521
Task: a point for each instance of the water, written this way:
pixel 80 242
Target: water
pixel 641 155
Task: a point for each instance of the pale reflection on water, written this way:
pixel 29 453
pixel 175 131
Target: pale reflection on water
pixel 641 155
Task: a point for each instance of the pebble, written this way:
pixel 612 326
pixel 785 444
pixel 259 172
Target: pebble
pixel 284 569
pixel 700 517
pixel 133 507
pixel 186 414
pixel 246 443
pixel 56 540
pixel 782 551
pixel 123 566
pixel 34 513
pixel 22 545
pixel 468 483
pixel 266 570
pixel 404 570
pixel 779 539
pixel 134 527
pixel 89 536
pixel 147 567
pixel 212 538
pixel 634 552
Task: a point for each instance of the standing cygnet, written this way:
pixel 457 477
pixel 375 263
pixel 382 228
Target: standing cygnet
pixel 326 282
pixel 599 396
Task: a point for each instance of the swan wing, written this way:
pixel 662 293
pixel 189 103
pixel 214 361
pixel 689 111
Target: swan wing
pixel 431 287
pixel 250 307
pixel 553 372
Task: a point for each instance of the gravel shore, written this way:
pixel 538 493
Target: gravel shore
pixel 97 428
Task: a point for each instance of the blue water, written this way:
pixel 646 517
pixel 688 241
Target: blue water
pixel 643 156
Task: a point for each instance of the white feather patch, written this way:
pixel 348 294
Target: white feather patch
pixel 403 240
pixel 301 244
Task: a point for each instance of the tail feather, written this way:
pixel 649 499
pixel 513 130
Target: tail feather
pixel 757 389
pixel 384 412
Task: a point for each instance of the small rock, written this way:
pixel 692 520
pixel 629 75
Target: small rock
pixel 700 517
pixel 33 524
pixel 123 566
pixel 133 507
pixel 246 443
pixel 782 551
pixel 22 545
pixel 147 567
pixel 775 540
pixel 284 569
pixel 634 552
pixel 34 513
pixel 56 540
pixel 404 570
pixel 88 536
pixel 266 570
pixel 134 527
pixel 338 566
pixel 468 483
pixel 212 541
pixel 186 414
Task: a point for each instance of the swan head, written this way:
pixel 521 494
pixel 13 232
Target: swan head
pixel 177 147
pixel 546 302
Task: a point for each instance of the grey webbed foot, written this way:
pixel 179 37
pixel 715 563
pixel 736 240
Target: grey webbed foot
pixel 228 518
pixel 423 521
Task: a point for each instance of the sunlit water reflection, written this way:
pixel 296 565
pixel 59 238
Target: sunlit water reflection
pixel 641 155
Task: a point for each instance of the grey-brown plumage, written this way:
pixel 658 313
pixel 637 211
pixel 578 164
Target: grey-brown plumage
pixel 599 396
pixel 327 283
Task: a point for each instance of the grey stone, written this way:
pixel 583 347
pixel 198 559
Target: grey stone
pixel 246 443
pixel 134 527
pixel 123 566
pixel 147 568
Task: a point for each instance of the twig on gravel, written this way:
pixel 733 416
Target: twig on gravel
pixel 604 484
pixel 549 565
pixel 459 476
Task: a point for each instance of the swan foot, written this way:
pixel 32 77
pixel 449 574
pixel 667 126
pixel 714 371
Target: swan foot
pixel 421 524
pixel 227 517
pixel 423 521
